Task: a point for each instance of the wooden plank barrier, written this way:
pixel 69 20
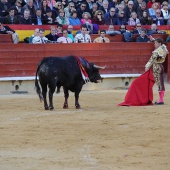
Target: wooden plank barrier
pixel 22 59
pixel 6 38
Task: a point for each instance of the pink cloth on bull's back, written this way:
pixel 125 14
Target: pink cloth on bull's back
pixel 140 92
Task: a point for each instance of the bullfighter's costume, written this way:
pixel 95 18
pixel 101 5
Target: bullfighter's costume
pixel 157 58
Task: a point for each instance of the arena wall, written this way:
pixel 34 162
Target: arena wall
pixel 124 61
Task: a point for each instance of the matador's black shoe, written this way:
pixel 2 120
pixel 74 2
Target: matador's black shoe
pixel 159 103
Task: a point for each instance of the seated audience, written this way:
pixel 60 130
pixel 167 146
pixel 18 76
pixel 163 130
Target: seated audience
pixel 154 30
pixel 70 32
pixel 141 9
pixel 26 18
pixel 50 18
pixel 83 36
pixel 81 9
pixel 143 36
pixel 4 6
pixel 52 35
pixel 7 30
pixel 105 7
pixel 98 18
pixel 121 20
pixel 18 8
pixel 11 18
pixel 68 10
pixel 36 33
pixel 129 9
pixel 64 38
pixel 152 10
pixel 122 29
pixel 74 20
pixel 94 9
pixel 61 18
pixel 158 19
pixel 40 39
pixel 102 38
pixel 59 29
pixel 31 7
pixel 145 19
pixel 45 7
pixel 165 12
pixel 39 18
pixel 110 18
pixel 111 31
pixel 133 20
pixel 86 18
pixel 138 29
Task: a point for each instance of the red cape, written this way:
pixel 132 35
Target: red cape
pixel 140 92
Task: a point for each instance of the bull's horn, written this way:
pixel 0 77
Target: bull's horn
pixel 99 67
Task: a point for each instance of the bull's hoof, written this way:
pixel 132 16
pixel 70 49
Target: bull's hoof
pixel 78 107
pixel 46 107
pixel 51 108
pixel 65 106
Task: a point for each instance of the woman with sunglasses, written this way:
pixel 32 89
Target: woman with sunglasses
pixel 69 9
pixel 58 6
pixel 98 18
pixel 121 20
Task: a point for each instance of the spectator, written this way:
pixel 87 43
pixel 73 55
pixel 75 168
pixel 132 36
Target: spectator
pixel 40 39
pixel 64 38
pixel 52 35
pixel 120 7
pixel 110 17
pixel 124 2
pixel 89 5
pixel 44 7
pixel 137 4
pixel 36 33
pixel 86 18
pixel 133 20
pixel 143 36
pixel 142 9
pixel 102 38
pixel 11 18
pixel 37 4
pixel 129 9
pixel 98 18
pixel 158 19
pixel 105 7
pixel 111 31
pixel 51 3
pixel 99 3
pixel 122 29
pixel 61 19
pixel 39 18
pixel 59 30
pixel 70 32
pixel 64 2
pixel 26 18
pixel 152 11
pixel 121 20
pixel 154 30
pixel 30 6
pixel 94 9
pixel 7 30
pixel 145 19
pixel 58 6
pixel 49 15
pixel 18 8
pixel 165 12
pixel 4 6
pixel 138 29
pixel 83 37
pixel 69 9
pixel 151 2
pixel 81 9
pixel 74 20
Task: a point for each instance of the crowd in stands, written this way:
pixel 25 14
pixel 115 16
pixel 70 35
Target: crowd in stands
pixel 76 12
pixel 88 13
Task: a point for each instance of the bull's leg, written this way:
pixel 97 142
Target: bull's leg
pixel 51 91
pixel 77 100
pixel 44 93
pixel 66 95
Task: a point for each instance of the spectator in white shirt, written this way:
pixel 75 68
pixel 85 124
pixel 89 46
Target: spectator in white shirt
pixel 64 38
pixel 40 39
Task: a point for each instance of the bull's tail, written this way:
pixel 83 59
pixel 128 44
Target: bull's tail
pixel 37 87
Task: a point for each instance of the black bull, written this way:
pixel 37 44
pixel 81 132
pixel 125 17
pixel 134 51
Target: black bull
pixel 63 71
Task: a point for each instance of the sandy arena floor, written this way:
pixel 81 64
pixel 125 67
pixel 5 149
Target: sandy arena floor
pixel 100 136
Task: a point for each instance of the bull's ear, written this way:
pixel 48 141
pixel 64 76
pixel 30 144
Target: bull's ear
pixel 99 67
